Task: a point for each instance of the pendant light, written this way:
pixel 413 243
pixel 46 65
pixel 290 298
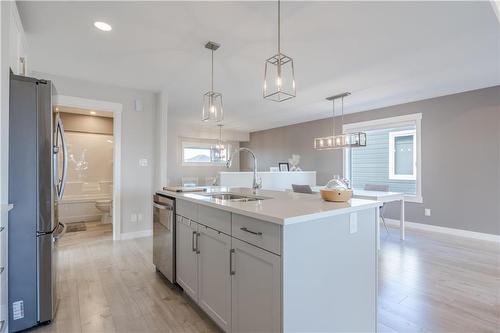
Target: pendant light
pixel 349 140
pixel 279 77
pixel 219 146
pixel 212 101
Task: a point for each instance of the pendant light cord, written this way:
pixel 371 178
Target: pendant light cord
pixel 333 118
pixel 212 83
pixel 279 27
pixel 342 119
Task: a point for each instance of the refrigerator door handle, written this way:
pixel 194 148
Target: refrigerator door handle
pixel 60 182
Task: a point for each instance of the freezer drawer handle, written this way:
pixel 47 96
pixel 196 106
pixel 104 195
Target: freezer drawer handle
pixel 258 233
pixel 59 235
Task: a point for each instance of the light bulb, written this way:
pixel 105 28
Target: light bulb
pixel 278 81
pixel 212 109
pixel 329 142
pixel 321 143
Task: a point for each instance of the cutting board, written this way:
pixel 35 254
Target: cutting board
pixel 184 189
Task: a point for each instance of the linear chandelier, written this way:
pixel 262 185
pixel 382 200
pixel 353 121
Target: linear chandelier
pixel 347 140
pixel 279 77
pixel 212 100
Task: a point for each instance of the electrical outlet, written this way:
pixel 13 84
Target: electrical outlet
pixel 427 212
pixel 133 218
pixel 353 223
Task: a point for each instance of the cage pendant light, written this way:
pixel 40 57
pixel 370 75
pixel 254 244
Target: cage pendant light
pixel 279 77
pixel 212 100
pixel 219 148
pixel 348 140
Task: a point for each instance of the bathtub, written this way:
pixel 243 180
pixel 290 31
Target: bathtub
pixel 78 202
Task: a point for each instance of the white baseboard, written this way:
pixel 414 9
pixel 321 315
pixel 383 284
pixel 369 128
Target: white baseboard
pixel 449 231
pixel 136 234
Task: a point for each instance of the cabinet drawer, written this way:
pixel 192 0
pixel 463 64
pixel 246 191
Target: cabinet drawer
pixel 263 234
pixel 217 219
pixel 187 209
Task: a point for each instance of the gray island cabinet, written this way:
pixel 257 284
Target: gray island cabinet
pixel 253 270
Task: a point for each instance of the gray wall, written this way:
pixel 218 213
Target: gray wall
pixel 460 156
pixel 137 141
pixel 87 124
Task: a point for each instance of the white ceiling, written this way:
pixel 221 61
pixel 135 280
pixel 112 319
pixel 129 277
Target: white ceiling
pixel 385 53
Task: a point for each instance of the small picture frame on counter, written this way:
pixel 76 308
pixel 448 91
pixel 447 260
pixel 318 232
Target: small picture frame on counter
pixel 274 169
pixel 283 166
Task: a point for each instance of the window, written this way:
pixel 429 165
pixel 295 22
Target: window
pixel 402 155
pixel 391 157
pixel 202 153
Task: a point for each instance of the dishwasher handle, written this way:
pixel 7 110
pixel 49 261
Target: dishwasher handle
pixel 155 205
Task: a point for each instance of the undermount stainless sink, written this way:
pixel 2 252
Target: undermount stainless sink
pixel 234 197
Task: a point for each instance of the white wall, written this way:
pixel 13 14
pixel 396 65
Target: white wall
pixel 138 142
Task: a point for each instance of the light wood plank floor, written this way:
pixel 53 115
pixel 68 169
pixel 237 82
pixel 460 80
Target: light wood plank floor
pixel 429 283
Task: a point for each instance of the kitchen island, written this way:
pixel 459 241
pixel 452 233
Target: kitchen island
pixel 275 261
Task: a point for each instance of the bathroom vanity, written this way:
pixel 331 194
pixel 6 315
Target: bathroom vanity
pixel 278 261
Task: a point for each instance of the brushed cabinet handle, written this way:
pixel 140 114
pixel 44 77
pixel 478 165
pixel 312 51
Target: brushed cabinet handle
pixel 196 239
pixel 231 270
pixel 2 269
pixel 258 233
pixel 1 229
pixel 192 241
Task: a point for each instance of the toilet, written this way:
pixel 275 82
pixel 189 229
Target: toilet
pixel 105 206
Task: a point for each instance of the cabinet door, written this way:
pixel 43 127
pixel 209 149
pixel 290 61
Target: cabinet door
pixel 214 279
pixel 187 258
pixel 255 289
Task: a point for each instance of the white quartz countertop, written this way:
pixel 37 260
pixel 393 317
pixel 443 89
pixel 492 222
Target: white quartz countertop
pixel 279 207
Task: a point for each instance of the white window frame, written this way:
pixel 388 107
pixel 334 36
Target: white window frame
pixel 200 144
pixel 392 155
pixel 414 119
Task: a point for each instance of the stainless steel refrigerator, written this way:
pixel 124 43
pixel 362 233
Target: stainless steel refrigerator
pixel 37 172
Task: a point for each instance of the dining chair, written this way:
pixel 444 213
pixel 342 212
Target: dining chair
pixel 302 188
pixel 380 188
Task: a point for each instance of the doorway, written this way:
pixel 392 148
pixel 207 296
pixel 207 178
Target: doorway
pixel 108 190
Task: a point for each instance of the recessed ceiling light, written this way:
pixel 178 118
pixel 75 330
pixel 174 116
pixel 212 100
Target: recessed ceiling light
pixel 92 113
pixel 102 26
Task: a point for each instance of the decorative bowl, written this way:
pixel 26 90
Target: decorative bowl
pixel 336 195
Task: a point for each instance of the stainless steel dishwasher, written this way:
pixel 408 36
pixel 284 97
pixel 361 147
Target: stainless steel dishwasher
pixel 164 235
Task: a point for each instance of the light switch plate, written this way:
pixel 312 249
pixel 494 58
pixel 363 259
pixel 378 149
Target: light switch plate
pixel 427 212
pixel 353 223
